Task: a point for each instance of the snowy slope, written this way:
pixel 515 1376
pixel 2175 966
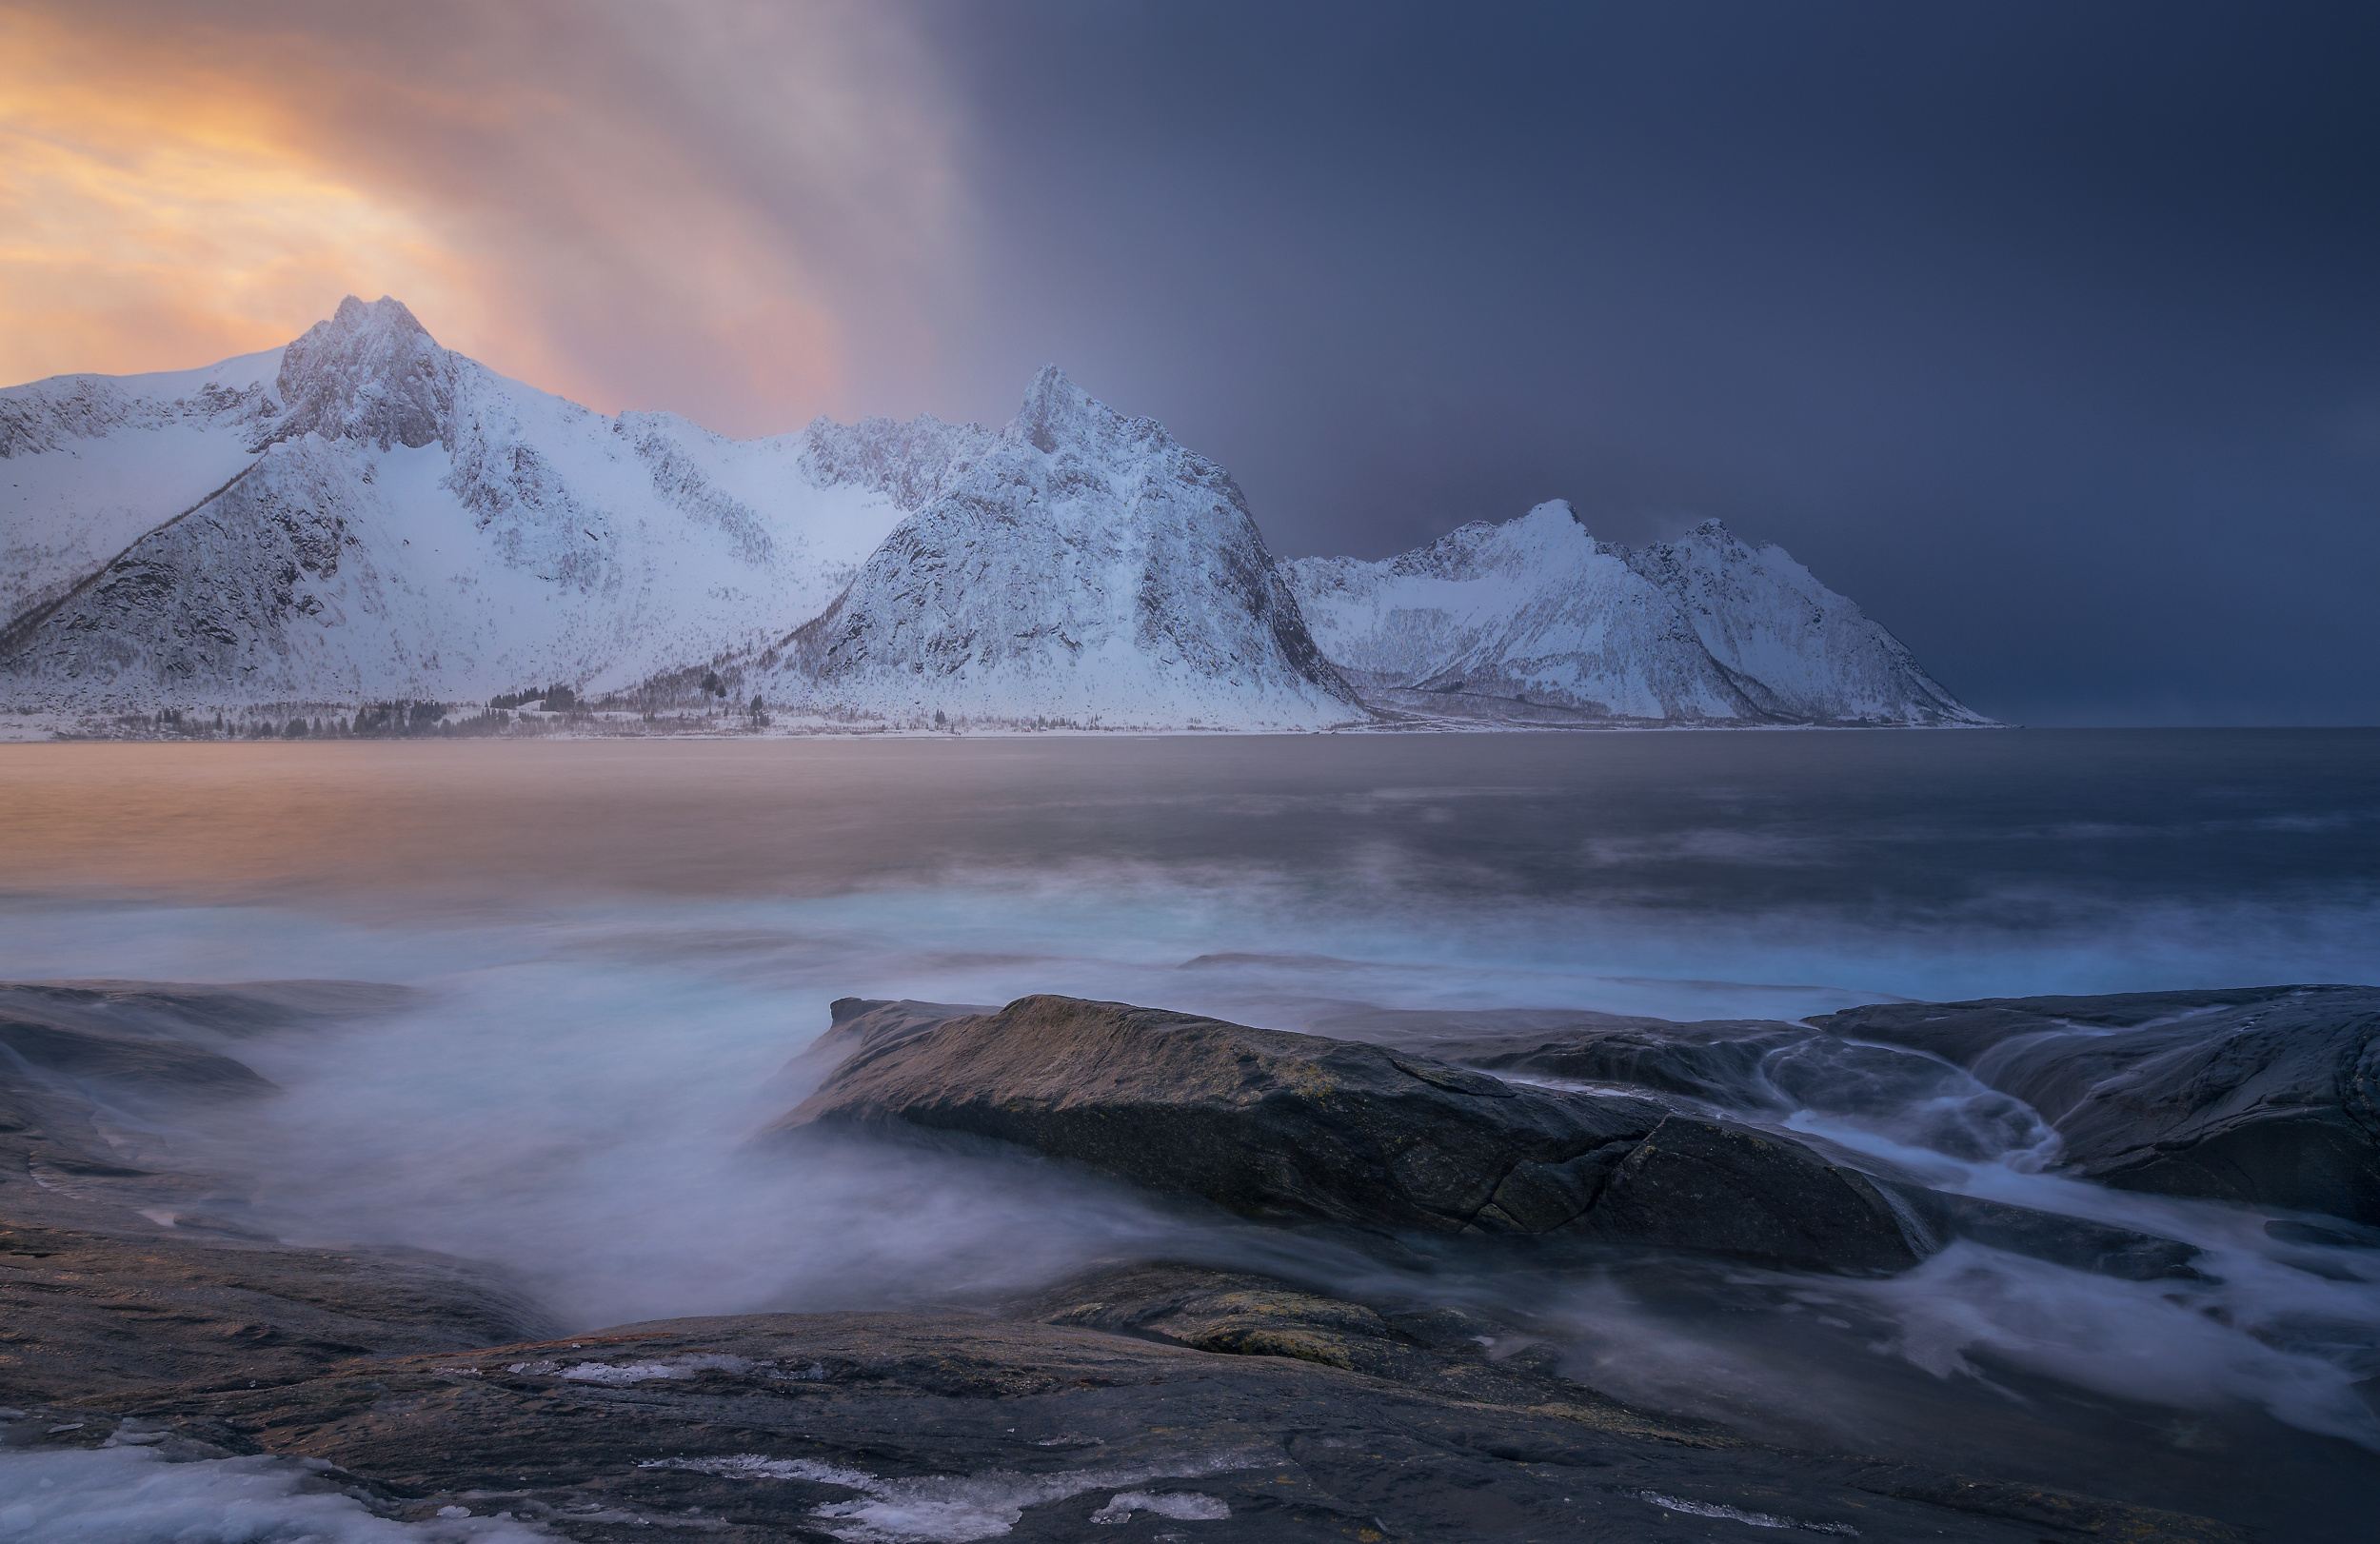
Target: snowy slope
pixel 1804 652
pixel 1706 630
pixel 403 522
pixel 90 463
pixel 1087 569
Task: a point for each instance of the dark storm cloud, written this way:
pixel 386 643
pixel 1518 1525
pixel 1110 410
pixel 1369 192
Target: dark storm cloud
pixel 2050 334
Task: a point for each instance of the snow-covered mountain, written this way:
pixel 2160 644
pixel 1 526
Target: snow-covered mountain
pixel 1086 569
pixel 1702 630
pixel 363 514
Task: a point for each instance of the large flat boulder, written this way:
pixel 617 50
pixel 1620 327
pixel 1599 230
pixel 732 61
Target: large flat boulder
pixel 1302 1128
pixel 2266 1095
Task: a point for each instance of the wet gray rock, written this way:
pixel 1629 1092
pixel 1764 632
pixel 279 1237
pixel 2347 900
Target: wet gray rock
pixel 941 1426
pixel 1301 1128
pixel 860 1024
pixel 121 1266
pixel 1755 1068
pixel 2097 1247
pixel 1455 1352
pixel 1716 1062
pixel 165 1038
pixel 1726 1188
pixel 43 1044
pixel 84 1312
pixel 2267 1095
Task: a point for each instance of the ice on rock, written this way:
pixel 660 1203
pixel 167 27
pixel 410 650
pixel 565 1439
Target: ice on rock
pixel 371 374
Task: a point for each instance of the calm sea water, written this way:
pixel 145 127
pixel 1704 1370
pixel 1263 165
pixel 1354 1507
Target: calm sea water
pixel 622 941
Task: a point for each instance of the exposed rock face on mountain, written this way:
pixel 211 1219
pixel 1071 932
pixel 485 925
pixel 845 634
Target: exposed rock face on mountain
pixel 93 462
pixel 401 521
pixel 1299 1127
pixel 2269 1097
pixel 1088 569
pixel 1703 630
pixel 371 374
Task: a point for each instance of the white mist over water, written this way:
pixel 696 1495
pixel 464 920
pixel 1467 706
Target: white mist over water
pixel 619 948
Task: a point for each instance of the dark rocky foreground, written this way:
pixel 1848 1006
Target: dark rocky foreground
pixel 1187 1404
pixel 1148 1399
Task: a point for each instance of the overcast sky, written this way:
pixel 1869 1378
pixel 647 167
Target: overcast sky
pixel 2049 333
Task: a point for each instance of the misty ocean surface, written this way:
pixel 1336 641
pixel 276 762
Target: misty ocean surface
pixel 621 943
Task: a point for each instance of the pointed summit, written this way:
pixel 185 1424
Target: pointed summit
pixel 1552 516
pixel 1056 414
pixel 370 373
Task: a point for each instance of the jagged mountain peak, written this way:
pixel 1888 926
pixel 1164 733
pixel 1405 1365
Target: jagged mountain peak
pixel 1057 415
pixel 371 372
pixel 1712 532
pixel 356 317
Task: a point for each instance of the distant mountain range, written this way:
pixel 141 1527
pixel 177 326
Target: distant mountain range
pixel 364 516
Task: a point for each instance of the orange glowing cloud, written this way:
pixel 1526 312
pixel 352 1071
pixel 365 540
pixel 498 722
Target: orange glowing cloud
pixel 697 207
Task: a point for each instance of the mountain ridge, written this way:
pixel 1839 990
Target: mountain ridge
pixel 363 514
pixel 1705 630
